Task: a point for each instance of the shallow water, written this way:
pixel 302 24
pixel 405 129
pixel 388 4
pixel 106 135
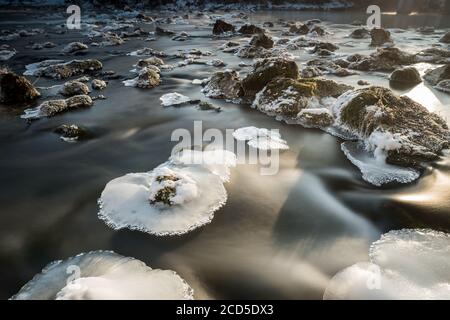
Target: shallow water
pixel 281 236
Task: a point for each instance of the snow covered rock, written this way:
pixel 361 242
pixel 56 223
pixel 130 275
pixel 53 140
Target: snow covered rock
pixel 223 85
pixel 286 98
pixel 53 107
pixel 74 47
pixel 57 70
pixel 395 129
pixel 98 84
pixel 264 71
pixel 148 78
pixel 73 88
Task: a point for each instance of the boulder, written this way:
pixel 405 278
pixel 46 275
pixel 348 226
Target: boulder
pixel 53 107
pixel 286 97
pixel 445 38
pixel 224 85
pixel 249 29
pixel 437 75
pixel 16 89
pixel 221 26
pixel 262 40
pixel 404 129
pixel 299 28
pixel 380 37
pixel 408 76
pixel 73 88
pixel 264 71
pixel 98 84
pixel 360 33
pixel 68 69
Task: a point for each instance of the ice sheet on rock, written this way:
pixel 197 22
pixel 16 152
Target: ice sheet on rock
pixel 125 202
pixel 404 264
pixel 34 68
pixel 373 170
pixel 217 161
pixel 104 275
pixel 174 98
pixel 261 138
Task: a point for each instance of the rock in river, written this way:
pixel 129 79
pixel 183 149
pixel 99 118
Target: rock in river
pixel 394 128
pixel 16 89
pixel 221 26
pixel 264 71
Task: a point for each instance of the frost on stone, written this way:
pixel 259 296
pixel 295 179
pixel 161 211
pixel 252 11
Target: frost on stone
pixel 104 275
pixel 173 99
pixel 404 264
pixel 373 170
pixel 261 138
pixel 172 199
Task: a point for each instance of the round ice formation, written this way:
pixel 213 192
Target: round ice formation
pixel 404 264
pixel 171 199
pixel 104 275
pixel 260 138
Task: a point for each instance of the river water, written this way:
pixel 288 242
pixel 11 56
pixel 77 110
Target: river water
pixel 279 236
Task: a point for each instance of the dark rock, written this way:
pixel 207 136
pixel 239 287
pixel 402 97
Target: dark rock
pixel 445 38
pixel 16 89
pixel 360 33
pixel 408 76
pixel 268 24
pixel 262 40
pixel 72 132
pixel 250 29
pixel 299 28
pixel 222 27
pixel 264 71
pixel 380 37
